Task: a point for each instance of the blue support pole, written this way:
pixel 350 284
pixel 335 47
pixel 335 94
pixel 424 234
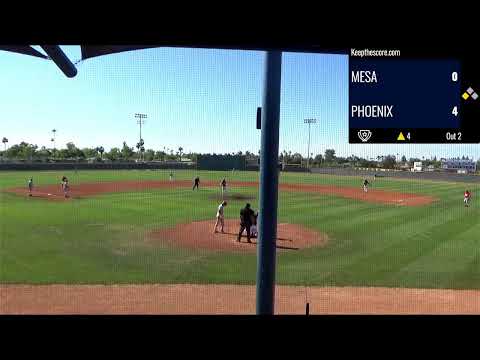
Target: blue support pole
pixel 60 59
pixel 267 226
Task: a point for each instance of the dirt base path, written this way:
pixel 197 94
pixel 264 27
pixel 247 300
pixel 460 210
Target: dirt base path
pixel 54 192
pixel 229 299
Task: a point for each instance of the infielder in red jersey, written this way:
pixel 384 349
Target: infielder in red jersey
pixel 466 197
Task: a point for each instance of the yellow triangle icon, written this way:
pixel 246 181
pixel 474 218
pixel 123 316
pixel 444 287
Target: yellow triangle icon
pixel 401 137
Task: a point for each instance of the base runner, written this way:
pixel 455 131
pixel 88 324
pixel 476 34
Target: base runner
pixel 65 186
pixel 223 186
pixel 30 186
pixel 365 185
pixel 220 217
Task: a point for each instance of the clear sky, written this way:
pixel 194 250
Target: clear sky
pixel 201 99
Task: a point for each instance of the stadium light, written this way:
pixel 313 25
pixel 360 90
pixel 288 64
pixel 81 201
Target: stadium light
pixel 309 122
pixel 140 121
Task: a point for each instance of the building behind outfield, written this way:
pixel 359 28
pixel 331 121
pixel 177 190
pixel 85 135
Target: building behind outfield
pixel 459 165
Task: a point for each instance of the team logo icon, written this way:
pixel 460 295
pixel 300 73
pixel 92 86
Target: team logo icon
pixel 364 135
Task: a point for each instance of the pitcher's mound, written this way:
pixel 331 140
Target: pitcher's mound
pixel 199 235
pixel 234 196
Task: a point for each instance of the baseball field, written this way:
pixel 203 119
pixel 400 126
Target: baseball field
pixel 133 241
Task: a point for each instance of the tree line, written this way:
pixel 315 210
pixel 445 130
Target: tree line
pixel 329 158
pixel 30 152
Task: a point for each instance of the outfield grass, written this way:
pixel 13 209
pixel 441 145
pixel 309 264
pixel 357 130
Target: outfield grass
pixel 102 239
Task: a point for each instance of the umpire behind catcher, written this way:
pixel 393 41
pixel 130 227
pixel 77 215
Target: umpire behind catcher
pixel 246 220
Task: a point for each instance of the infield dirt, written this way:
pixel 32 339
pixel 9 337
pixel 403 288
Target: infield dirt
pixel 54 192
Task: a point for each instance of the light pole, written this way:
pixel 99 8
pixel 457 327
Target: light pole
pixel 309 122
pixel 140 121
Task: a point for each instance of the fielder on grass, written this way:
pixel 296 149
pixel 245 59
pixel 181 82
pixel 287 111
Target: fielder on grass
pixel 466 197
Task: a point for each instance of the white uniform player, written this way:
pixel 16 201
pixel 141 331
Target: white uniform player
pixel 220 217
pixel 254 228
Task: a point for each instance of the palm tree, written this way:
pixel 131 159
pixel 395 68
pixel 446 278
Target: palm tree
pixel 180 150
pixel 5 141
pixel 54 131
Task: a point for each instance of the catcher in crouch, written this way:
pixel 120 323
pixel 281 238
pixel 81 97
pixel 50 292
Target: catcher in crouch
pixel 254 228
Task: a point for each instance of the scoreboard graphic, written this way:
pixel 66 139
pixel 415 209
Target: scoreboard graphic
pixel 414 99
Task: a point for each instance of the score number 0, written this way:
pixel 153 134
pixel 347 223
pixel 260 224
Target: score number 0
pixel 455 79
